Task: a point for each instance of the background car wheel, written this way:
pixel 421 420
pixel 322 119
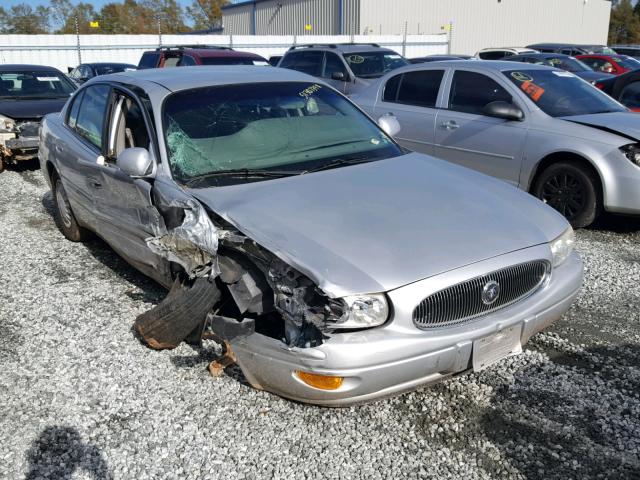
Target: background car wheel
pixel 64 216
pixel 571 189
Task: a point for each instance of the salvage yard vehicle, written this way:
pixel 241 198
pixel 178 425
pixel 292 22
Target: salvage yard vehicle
pixel 335 266
pixel 539 128
pixel 85 71
pixel 190 55
pixel 348 67
pixel 27 93
pixel 563 62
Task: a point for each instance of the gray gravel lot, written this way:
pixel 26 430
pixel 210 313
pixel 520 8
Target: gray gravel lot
pixel 81 397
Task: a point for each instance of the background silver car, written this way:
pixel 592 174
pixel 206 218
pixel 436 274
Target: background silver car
pixel 542 129
pixel 340 268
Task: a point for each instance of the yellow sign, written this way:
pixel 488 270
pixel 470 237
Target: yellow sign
pixel 307 27
pixel 94 24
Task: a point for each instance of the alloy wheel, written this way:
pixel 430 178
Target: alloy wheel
pixel 565 193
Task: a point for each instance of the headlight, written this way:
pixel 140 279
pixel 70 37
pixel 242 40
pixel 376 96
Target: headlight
pixel 632 152
pixel 7 124
pixel 364 311
pixel 562 246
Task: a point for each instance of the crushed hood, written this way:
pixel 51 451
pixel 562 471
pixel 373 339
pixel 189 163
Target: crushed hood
pixel 378 226
pixel 29 109
pixel 626 124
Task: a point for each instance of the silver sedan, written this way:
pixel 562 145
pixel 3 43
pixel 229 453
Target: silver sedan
pixel 334 266
pixel 542 129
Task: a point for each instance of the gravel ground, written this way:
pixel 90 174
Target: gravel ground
pixel 80 397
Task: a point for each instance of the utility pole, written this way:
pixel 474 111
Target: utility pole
pixel 75 19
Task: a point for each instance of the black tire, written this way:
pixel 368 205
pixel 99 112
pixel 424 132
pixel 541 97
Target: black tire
pixel 573 190
pixel 64 217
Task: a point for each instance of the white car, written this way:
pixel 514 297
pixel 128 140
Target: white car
pixel 500 53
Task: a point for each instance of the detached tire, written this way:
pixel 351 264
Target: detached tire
pixel 572 190
pixel 64 217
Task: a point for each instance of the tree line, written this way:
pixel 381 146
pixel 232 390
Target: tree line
pixel 128 16
pixel 624 26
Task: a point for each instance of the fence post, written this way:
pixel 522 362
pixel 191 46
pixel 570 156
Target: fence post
pixel 75 19
pixel 449 38
pixel 159 32
pixel 404 39
pixel 230 40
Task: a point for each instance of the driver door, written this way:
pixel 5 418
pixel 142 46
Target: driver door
pixel 465 135
pixel 128 215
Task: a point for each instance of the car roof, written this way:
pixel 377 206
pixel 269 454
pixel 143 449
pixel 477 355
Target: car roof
pixel 17 66
pixel 542 55
pixel 207 51
pixel 493 65
pixel 100 64
pixel 342 47
pixel 177 78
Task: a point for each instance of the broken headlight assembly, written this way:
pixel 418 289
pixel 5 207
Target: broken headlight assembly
pixel 562 246
pixel 364 311
pixel 632 152
pixel 7 125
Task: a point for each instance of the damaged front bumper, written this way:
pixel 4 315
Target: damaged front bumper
pixel 398 357
pixel 18 148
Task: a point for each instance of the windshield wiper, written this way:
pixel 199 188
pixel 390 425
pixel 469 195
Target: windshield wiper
pixel 340 163
pixel 243 172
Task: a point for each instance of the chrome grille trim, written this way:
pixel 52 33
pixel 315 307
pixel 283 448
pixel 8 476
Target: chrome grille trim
pixel 462 302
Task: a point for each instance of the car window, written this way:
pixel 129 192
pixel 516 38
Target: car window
pixel 73 110
pixel 306 62
pixel 373 64
pixel 230 61
pixel 186 61
pixel 149 60
pixel 85 72
pixel 598 64
pixel 127 128
pixel 75 73
pixel 332 65
pixel 562 94
pixel 493 55
pixel 391 89
pixel 113 68
pixel 471 92
pixel 171 61
pixel 290 126
pixel 91 114
pixel 420 88
pixel 630 95
pixel 35 83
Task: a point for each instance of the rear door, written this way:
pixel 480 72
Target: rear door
pixel 413 98
pixel 79 152
pixel 465 135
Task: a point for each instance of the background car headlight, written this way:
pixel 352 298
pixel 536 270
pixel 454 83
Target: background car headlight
pixel 7 124
pixel 562 246
pixel 364 311
pixel 632 152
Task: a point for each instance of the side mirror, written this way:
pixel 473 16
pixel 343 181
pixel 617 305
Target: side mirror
pixel 338 76
pixel 135 162
pixel 504 110
pixel 389 124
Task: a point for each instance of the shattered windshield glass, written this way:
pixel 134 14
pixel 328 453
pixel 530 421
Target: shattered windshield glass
pixel 286 127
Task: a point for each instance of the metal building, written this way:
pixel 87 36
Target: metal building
pixel 475 23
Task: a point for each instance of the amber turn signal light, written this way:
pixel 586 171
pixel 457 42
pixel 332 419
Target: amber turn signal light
pixel 323 382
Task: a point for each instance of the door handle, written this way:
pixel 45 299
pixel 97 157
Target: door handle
pixel 450 125
pixel 94 183
pixel 59 149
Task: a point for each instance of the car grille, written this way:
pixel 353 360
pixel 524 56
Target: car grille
pixel 464 301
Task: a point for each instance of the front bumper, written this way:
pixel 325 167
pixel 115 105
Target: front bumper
pixel 621 179
pixel 398 357
pixel 21 148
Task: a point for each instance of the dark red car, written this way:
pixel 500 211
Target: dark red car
pixel 188 55
pixel 615 64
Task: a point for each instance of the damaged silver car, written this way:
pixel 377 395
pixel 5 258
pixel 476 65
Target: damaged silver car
pixel 334 266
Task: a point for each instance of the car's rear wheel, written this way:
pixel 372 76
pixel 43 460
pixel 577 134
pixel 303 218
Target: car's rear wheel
pixel 572 190
pixel 64 216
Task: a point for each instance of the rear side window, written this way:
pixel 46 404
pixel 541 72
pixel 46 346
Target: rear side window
pixel 171 62
pixel 73 111
pixel 90 121
pixel 497 55
pixel 471 92
pixel 149 60
pixel 420 88
pixel 306 62
pixel 186 61
pixel 391 89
